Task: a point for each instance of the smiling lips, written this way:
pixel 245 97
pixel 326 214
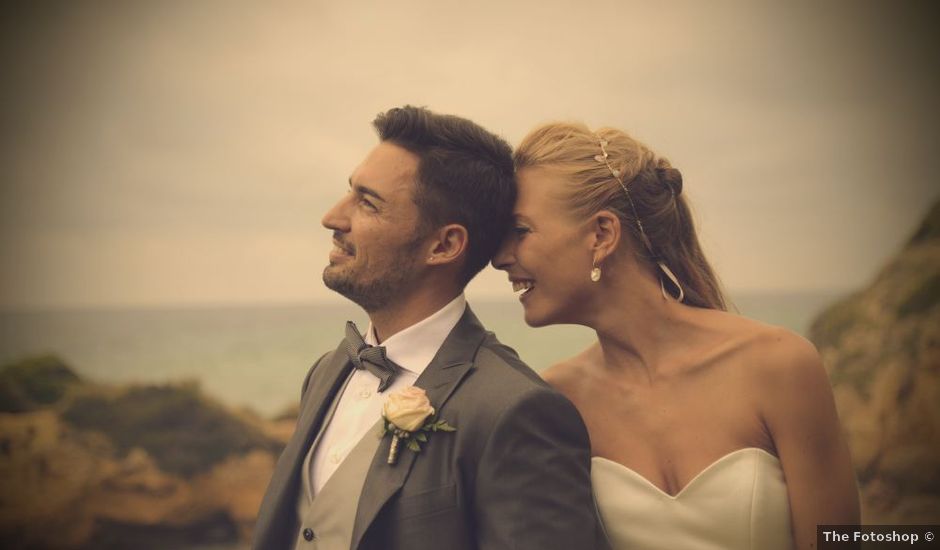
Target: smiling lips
pixel 524 285
pixel 342 246
pixel 339 251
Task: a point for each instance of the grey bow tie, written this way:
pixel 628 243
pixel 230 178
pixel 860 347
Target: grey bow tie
pixel 371 358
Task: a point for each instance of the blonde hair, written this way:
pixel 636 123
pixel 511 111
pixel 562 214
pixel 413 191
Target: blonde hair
pixel 649 202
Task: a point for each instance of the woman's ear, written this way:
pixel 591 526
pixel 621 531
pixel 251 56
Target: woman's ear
pixel 605 235
pixel 448 244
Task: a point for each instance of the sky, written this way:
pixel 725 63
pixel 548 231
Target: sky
pixel 183 153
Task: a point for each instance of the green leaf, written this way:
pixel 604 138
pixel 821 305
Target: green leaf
pixel 421 437
pixel 445 427
pixel 414 446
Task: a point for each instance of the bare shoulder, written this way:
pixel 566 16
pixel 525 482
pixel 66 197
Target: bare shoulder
pixel 768 349
pixel 786 368
pixel 781 353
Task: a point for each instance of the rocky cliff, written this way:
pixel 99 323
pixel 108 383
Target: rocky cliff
pixel 881 347
pixel 88 466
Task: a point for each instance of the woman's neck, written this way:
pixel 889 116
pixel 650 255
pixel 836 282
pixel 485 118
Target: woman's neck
pixel 638 329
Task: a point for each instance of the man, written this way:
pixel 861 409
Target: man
pixel 424 213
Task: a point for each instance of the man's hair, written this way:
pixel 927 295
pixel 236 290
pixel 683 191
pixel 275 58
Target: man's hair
pixel 465 175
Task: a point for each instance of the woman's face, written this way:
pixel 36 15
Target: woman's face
pixel 547 254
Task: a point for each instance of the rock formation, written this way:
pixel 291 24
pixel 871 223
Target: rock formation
pixel 881 347
pixel 86 466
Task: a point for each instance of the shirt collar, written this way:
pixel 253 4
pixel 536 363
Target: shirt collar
pixel 414 347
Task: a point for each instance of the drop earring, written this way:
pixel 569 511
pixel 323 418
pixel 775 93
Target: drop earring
pixel 595 274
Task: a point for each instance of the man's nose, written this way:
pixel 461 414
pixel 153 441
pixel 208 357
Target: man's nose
pixel 336 217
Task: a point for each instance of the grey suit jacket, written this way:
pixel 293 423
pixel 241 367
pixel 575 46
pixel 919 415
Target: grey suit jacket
pixel 515 474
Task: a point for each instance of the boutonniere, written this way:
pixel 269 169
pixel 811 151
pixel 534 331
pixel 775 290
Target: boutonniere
pixel 409 416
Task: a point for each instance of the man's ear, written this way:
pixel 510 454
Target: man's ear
pixel 447 245
pixel 605 235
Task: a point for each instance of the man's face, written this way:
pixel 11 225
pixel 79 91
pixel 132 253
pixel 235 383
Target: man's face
pixel 375 226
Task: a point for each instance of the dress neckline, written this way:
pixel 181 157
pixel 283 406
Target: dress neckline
pixel 713 466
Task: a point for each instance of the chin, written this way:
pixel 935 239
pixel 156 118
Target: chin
pixel 552 313
pixel 536 319
pixel 335 277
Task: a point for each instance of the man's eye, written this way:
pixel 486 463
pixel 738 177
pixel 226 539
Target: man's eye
pixel 367 204
pixel 520 230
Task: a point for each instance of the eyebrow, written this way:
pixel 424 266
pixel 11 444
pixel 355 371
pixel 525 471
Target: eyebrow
pixel 363 190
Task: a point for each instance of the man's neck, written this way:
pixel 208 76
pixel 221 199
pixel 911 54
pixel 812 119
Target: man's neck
pixel 414 309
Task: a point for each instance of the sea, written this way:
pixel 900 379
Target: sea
pixel 255 357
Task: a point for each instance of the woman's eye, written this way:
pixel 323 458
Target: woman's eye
pixel 520 230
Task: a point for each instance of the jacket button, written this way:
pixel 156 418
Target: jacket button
pixel 308 534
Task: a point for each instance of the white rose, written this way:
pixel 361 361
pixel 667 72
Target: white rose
pixel 408 409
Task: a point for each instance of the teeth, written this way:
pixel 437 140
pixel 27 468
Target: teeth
pixel 522 285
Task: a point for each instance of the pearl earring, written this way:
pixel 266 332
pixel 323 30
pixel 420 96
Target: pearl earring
pixel 595 274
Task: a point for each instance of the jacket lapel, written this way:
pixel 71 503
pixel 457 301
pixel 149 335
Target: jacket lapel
pixel 442 376
pixel 281 497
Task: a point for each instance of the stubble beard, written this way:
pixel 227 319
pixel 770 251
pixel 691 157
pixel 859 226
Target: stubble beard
pixel 377 293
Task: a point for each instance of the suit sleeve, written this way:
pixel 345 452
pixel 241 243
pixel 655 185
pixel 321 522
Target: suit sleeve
pixel 533 486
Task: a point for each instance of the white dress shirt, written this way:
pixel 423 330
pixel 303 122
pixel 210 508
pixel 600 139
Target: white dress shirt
pixel 360 405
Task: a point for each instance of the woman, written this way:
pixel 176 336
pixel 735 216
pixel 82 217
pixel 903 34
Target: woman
pixel 708 430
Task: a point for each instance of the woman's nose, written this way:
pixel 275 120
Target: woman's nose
pixel 506 254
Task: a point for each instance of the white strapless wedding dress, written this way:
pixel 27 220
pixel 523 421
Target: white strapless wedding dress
pixel 738 502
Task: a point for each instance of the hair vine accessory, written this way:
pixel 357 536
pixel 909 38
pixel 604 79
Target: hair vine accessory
pixel 604 158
